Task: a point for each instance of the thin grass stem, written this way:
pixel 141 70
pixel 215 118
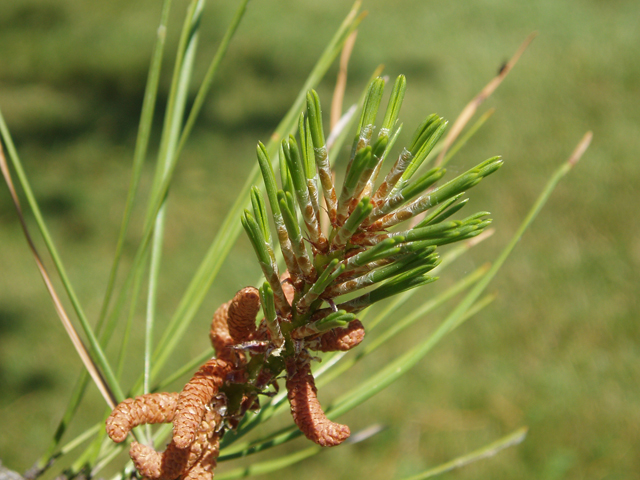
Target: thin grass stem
pixel 140 152
pixel 487 451
pixel 269 466
pixel 470 109
pixel 170 136
pixel 95 360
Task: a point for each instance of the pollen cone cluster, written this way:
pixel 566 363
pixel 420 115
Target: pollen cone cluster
pixel 198 411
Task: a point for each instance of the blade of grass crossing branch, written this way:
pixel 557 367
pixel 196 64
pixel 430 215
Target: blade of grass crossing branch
pixel 402 324
pixel 447 259
pixel 472 106
pixel 230 229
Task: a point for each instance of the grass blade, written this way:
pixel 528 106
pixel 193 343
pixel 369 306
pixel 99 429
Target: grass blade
pixel 170 136
pixel 85 356
pixel 514 438
pixel 262 468
pixel 140 153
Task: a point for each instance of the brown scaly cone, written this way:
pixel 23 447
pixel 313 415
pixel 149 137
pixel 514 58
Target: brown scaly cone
pixel 145 409
pixel 306 409
pixel 174 462
pixel 242 315
pixel 195 398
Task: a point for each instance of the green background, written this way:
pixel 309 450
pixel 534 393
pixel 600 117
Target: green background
pixel 558 350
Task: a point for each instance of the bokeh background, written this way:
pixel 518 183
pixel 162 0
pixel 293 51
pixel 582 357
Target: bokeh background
pixel 559 350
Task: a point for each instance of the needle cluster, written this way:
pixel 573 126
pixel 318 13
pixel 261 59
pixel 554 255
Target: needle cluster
pixel 337 242
pixel 344 249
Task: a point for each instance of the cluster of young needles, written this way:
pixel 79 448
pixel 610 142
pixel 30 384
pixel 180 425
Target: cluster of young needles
pixel 344 250
pixel 363 244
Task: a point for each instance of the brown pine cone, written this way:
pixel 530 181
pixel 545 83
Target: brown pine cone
pixel 307 412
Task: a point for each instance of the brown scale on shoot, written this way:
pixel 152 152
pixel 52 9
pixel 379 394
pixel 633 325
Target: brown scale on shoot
pixel 165 465
pixel 219 334
pixel 339 339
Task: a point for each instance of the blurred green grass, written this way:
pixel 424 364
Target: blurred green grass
pixel 559 349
